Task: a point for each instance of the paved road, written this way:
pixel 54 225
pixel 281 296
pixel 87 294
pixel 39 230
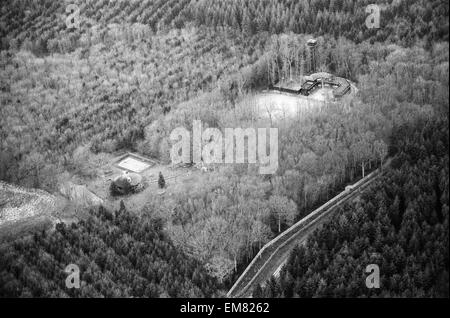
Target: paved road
pixel 274 253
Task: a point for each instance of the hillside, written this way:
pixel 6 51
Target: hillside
pixel 18 203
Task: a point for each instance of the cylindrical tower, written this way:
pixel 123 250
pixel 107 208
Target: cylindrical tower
pixel 312 43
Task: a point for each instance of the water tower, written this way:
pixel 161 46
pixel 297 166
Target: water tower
pixel 312 44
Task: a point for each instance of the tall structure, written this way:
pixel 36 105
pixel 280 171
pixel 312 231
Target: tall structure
pixel 312 44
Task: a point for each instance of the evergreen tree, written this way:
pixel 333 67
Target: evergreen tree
pixel 161 181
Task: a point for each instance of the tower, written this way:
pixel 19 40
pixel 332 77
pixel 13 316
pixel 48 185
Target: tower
pixel 312 44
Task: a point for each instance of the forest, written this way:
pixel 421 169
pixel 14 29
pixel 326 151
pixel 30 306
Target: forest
pixel 403 22
pixel 400 224
pixel 119 255
pixel 38 24
pixel 135 70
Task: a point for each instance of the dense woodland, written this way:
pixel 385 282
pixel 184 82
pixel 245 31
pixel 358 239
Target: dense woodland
pixel 402 22
pixel 40 25
pixel 119 255
pixel 135 70
pixel 400 224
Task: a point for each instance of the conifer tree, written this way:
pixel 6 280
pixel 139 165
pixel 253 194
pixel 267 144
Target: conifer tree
pixel 161 181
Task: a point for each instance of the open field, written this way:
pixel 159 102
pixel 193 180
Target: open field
pixel 24 211
pixel 276 106
pixel 18 203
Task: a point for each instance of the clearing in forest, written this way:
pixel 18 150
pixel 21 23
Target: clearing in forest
pixel 275 105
